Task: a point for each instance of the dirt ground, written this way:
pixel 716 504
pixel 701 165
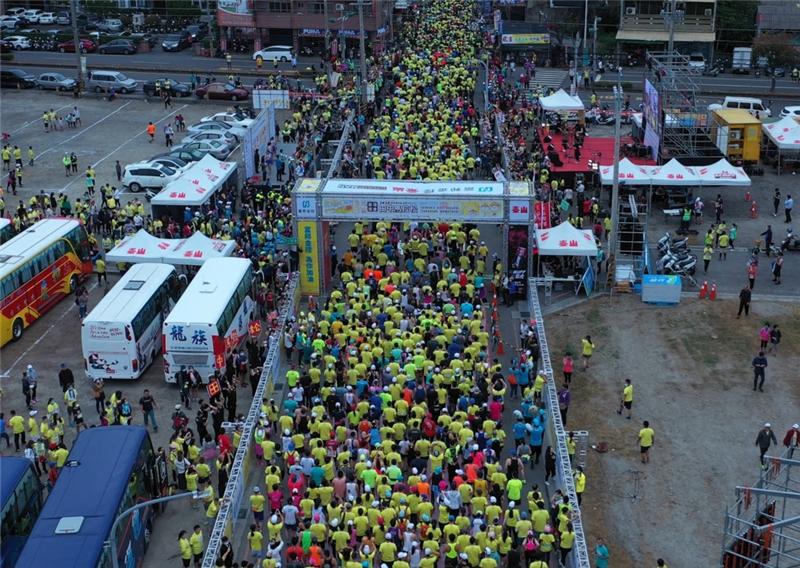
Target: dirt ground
pixel 691 370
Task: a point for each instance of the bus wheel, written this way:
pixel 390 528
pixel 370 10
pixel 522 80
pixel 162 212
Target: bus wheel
pixel 16 329
pixel 73 283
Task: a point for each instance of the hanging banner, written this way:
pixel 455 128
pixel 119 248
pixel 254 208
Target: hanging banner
pixel 519 211
pixel 256 137
pixel 417 208
pixel 309 257
pixel 541 214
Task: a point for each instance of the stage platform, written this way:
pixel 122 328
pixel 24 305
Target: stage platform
pixel 595 149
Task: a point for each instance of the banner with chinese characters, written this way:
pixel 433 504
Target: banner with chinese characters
pixel 541 215
pixel 417 208
pixel 309 257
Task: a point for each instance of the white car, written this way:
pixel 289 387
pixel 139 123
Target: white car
pixel 218 149
pixel 17 12
pixel 147 175
pixel 47 18
pixel 793 111
pixel 9 22
pixel 32 15
pixel 232 118
pixel 19 42
pixel 282 53
pixel 217 126
pixel 218 135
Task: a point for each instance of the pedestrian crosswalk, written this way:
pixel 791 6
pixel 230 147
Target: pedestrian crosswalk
pixel 549 78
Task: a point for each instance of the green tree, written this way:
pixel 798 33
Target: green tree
pixel 777 48
pixel 736 24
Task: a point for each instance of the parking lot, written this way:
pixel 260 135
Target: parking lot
pixel 109 131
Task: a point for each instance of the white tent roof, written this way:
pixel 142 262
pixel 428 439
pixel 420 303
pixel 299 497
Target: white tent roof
pixel 785 133
pixel 144 247
pixel 674 173
pixel 629 173
pixel 565 240
pixel 722 173
pixel 560 100
pixel 197 184
pixel 139 247
pixel 197 249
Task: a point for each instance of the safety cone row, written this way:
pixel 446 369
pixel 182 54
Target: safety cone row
pixel 712 293
pixel 704 290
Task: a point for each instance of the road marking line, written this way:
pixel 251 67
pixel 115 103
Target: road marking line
pixel 88 128
pixel 27 124
pixel 7 372
pixel 112 152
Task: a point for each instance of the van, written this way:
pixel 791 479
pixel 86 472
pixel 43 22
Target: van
pixel 753 106
pixel 111 25
pixel 697 61
pixel 282 53
pixel 100 81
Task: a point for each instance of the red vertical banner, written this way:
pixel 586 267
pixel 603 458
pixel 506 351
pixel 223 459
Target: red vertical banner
pixel 541 214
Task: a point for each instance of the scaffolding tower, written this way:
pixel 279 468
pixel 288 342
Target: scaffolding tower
pixel 762 529
pixel 684 125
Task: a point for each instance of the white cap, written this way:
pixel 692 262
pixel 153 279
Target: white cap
pixel 274 519
pixel 767 425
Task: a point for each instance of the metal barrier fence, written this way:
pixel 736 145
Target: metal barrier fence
pixel 234 490
pixel 580 551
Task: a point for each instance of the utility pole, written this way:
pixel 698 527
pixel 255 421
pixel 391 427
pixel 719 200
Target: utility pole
pixel 612 240
pixel 76 39
pixel 362 50
pixel 327 33
pixel 585 27
pixel 594 39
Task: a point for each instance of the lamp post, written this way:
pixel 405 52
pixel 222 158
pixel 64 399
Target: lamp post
pixel 612 239
pixel 362 51
pixel 111 543
pixel 76 40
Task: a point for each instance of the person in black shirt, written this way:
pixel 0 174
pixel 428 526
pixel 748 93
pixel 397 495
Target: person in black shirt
pixel 65 377
pixel 744 301
pixel 200 422
pixel 759 371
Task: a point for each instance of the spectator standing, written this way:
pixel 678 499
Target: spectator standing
pixel 759 371
pixel 764 439
pixel 745 295
pixel 148 404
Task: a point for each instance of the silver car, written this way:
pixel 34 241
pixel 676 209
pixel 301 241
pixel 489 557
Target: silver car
pixel 225 137
pixel 214 126
pixel 217 149
pixel 55 81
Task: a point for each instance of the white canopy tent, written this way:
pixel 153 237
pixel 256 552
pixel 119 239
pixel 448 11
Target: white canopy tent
pixel 785 133
pixel 196 185
pixel 144 247
pixel 561 101
pixel 722 173
pixel 565 240
pixel 629 174
pixel 674 173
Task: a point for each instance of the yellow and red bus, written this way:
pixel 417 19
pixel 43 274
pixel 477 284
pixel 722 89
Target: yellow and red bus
pixel 38 268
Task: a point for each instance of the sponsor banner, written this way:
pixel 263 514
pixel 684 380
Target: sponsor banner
pixel 418 208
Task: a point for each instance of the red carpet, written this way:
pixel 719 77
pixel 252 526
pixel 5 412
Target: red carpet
pixel 596 149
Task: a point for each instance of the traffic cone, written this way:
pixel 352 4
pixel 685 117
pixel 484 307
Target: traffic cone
pixel 704 289
pixel 747 196
pixel 754 210
pixel 500 349
pixel 712 295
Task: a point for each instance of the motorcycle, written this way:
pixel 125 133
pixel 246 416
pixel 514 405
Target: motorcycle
pixel 666 244
pixel 790 241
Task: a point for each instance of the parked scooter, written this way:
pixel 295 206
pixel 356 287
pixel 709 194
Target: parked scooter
pixel 790 241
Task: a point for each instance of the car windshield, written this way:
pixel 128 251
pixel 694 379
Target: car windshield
pixel 172 37
pixel 697 58
pixel 122 77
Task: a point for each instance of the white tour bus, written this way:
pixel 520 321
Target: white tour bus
pixel 121 335
pixel 211 319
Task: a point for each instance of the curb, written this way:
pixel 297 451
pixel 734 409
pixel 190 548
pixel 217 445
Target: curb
pixel 636 87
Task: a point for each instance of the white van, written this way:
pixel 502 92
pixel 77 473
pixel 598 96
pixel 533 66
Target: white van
pixel 282 53
pixel 753 106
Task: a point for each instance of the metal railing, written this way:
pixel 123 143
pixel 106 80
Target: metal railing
pixel 234 490
pixel 580 551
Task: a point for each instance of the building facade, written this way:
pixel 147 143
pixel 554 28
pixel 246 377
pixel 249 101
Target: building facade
pixel 304 24
pixel 647 21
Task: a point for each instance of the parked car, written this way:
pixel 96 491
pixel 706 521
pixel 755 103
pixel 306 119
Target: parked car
pixel 272 53
pixel 222 91
pixel 232 118
pixel 100 81
pixel 16 79
pixel 32 15
pixel 176 42
pixel 138 37
pixel 187 156
pixel 224 137
pixel 793 111
pixel 5 47
pixel 110 25
pixel 170 162
pixel 196 32
pixel 215 126
pixel 19 42
pixel 752 105
pixel 9 22
pixel 87 46
pixel 176 88
pixel 219 150
pixel 122 46
pixel 63 18
pixel 16 12
pixel 47 18
pixel 147 175
pixel 55 81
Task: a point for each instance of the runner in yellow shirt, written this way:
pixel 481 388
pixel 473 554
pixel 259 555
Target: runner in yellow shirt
pixel 646 438
pixel 627 398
